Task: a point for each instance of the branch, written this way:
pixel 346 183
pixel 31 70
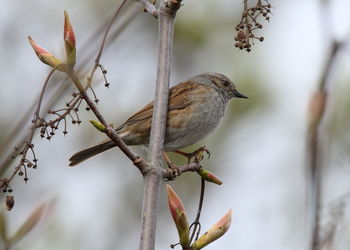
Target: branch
pixel 196 222
pixel 149 7
pixel 4 183
pixel 166 20
pixel 110 132
pixel 317 110
pixel 102 46
pixel 18 136
pixel 168 174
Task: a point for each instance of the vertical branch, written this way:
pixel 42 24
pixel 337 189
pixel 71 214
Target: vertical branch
pixel 152 180
pixel 317 110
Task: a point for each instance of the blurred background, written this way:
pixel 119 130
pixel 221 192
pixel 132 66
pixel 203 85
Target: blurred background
pixel 259 151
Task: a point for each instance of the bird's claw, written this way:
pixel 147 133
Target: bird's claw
pixel 197 155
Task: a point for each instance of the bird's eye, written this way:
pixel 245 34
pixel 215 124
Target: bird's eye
pixel 225 83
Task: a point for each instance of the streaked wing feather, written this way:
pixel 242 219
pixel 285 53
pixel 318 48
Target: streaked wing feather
pixel 179 97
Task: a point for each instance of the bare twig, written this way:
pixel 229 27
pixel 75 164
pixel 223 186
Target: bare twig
pixel 28 144
pixel 99 54
pixel 66 112
pixel 149 7
pixel 17 138
pixel 168 173
pixel 196 222
pixel 166 19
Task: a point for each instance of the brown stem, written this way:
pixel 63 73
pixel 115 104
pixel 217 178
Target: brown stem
pixel 315 164
pixel 32 130
pixel 196 222
pixel 99 54
pixel 168 173
pixel 137 160
pixel 62 116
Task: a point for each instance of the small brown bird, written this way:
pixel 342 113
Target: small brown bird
pixel 195 109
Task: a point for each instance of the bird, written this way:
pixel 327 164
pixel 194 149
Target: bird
pixel 195 108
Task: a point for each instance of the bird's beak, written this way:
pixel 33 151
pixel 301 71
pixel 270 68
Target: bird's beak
pixel 239 95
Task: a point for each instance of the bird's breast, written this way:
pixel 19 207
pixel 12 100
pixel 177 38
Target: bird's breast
pixel 195 121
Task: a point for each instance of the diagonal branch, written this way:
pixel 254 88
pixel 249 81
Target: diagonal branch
pixel 56 91
pixel 137 160
pixel 4 183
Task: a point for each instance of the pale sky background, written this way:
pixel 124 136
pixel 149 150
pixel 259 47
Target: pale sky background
pixel 259 150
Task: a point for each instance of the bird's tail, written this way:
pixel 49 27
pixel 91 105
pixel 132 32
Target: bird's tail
pixel 89 152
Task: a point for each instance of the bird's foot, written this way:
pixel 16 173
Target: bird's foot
pixel 196 155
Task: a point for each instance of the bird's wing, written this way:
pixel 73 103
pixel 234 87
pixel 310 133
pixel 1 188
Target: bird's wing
pixel 179 98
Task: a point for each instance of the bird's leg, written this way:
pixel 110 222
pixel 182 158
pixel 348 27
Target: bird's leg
pixel 168 161
pixel 172 166
pixel 197 154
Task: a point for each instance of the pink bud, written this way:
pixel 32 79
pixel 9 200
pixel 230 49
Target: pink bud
pixel 179 216
pixel 45 56
pixel 215 232
pixel 68 30
pixel 69 40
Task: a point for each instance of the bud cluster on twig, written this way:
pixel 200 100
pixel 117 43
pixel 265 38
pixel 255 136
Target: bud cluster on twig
pixel 250 22
pixel 48 128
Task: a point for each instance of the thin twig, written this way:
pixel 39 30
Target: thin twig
pixel 149 7
pixel 99 54
pixel 60 117
pixel 110 132
pixel 168 173
pixel 29 140
pixel 196 222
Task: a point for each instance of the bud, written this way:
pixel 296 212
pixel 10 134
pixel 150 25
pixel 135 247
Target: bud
pixel 209 176
pixel 241 35
pixel 69 40
pixel 98 125
pixel 179 216
pixel 215 232
pixel 45 56
pixel 316 107
pixel 9 202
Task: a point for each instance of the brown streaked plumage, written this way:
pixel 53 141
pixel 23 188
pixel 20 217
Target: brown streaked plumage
pixel 195 108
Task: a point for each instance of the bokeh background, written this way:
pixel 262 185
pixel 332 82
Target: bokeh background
pixel 259 151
